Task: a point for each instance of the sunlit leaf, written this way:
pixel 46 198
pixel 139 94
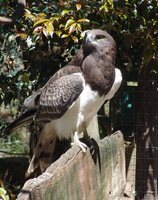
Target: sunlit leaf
pixel 64 36
pixel 64 12
pixel 75 39
pixel 3 194
pixel 72 28
pixel 111 3
pixel 22 35
pixel 50 28
pixel 104 8
pixel 45 32
pixel 69 23
pixel 29 15
pixel 40 21
pixel 83 20
pixel 37 29
pixel 27 11
pixel 78 6
pixel 42 15
pixel 79 27
pixel 56 18
pixel 58 33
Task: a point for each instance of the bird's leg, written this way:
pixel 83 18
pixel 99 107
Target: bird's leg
pixel 85 132
pixel 77 142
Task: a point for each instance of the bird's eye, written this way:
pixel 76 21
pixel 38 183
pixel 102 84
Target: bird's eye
pixel 100 36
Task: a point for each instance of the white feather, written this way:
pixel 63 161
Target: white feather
pixel 82 110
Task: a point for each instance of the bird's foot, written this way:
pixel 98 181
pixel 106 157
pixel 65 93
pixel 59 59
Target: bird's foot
pixel 78 143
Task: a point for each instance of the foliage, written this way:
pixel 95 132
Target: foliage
pixel 13 146
pixel 5 193
pixel 48 35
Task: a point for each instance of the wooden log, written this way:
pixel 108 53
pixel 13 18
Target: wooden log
pixel 99 174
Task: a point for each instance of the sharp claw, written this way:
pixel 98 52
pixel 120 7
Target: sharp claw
pixel 81 145
pixel 77 142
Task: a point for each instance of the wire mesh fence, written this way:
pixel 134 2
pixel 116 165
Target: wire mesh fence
pixel 135 113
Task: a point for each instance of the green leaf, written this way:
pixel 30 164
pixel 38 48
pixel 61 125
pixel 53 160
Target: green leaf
pixel 40 21
pixel 75 39
pixel 45 32
pixel 64 36
pixel 79 27
pixel 72 28
pixel 111 3
pixel 64 12
pixel 83 20
pixel 56 18
pixel 30 16
pixel 25 77
pixel 42 15
pixel 104 8
pixel 69 23
pixel 50 28
pixel 3 194
pixel 78 6
pixel 22 36
pixel 58 33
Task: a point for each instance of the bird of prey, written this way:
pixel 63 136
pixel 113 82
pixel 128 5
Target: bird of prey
pixel 72 96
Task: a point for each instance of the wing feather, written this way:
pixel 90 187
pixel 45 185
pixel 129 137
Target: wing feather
pixel 57 97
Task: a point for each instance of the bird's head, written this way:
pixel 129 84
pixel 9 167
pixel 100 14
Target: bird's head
pixel 97 38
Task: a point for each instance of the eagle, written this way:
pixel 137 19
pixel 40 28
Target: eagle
pixel 65 105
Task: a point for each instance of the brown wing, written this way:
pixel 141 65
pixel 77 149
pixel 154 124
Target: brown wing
pixel 57 96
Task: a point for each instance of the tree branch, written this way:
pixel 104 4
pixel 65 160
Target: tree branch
pixel 11 153
pixel 6 20
pixel 19 12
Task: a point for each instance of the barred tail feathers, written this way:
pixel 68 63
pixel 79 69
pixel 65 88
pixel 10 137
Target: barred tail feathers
pixel 42 150
pixel 25 118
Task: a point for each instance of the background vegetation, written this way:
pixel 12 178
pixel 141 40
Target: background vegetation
pixel 39 37
pixel 43 37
